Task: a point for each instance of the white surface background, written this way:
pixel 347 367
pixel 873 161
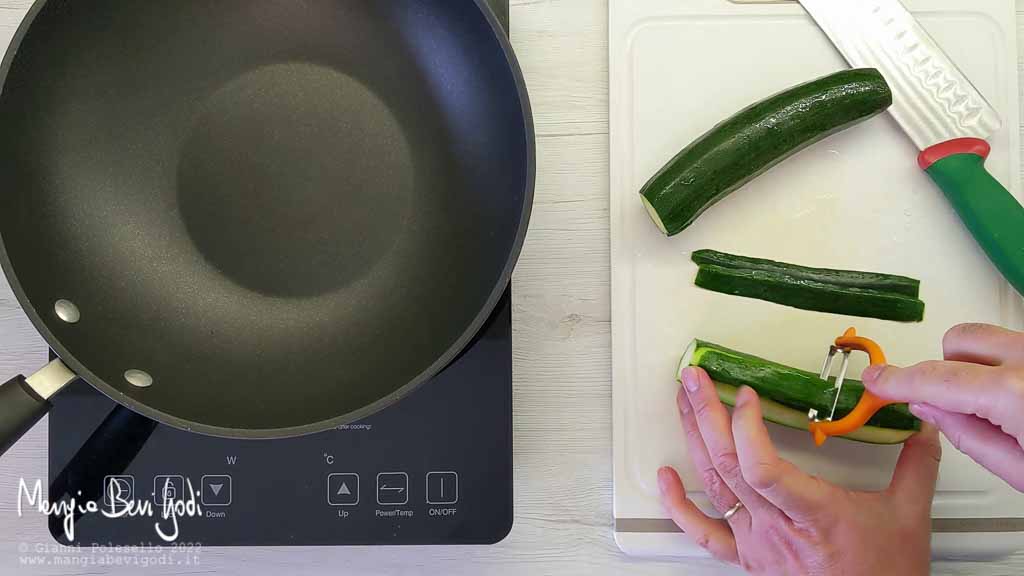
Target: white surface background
pixel 562 353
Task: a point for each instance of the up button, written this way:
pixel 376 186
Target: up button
pixel 343 489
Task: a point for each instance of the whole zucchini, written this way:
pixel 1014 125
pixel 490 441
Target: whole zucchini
pixel 757 138
pixel 788 393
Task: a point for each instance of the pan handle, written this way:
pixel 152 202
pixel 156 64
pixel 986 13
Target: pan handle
pixel 23 401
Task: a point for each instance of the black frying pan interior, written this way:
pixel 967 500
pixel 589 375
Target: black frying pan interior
pixel 288 214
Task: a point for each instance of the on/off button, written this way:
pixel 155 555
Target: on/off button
pixel 442 488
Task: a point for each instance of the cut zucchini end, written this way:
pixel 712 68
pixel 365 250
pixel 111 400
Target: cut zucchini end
pixel 792 418
pixel 654 214
pixel 688 359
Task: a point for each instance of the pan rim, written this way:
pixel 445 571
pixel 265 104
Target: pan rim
pixel 470 332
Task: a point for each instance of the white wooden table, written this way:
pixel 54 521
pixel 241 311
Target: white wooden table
pixel 562 354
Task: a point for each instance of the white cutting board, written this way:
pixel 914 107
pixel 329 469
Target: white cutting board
pixel 856 200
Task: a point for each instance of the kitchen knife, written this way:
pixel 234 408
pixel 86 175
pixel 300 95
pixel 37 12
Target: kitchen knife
pixel 941 111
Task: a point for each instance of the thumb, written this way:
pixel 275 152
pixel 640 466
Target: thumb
pixel 880 379
pixel 951 386
pixel 913 481
pixel 983 441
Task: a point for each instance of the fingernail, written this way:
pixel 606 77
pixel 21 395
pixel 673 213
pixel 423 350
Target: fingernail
pixel 690 379
pixel 871 373
pixel 663 479
pixel 743 395
pixel 924 412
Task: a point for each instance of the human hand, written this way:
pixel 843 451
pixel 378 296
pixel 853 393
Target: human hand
pixel 976 397
pixel 791 522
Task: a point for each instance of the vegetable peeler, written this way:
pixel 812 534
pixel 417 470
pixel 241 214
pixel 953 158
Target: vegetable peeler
pixel 868 405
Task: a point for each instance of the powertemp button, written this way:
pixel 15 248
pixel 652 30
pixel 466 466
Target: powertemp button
pixel 392 488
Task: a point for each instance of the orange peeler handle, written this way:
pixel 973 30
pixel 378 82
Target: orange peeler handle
pixel 868 405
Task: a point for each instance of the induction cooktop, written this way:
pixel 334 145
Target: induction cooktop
pixel 435 468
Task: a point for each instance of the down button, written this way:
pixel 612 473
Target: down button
pixel 216 490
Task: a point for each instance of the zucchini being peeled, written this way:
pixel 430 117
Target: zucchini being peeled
pixel 792 418
pixel 788 393
pixel 749 143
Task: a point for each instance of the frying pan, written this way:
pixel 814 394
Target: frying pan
pixel 257 218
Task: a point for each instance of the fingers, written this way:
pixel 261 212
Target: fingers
pixel 720 495
pixel 715 428
pixel 990 392
pixel 916 471
pixel 798 495
pixel 711 534
pixel 984 442
pixel 983 344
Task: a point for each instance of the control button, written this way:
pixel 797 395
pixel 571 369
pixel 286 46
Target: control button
pixel 216 490
pixel 118 489
pixel 442 488
pixel 392 488
pixel 343 489
pixel 168 487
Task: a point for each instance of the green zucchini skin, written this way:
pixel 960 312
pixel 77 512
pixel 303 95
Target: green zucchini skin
pixel 792 387
pixel 757 138
pixel 810 295
pixel 845 278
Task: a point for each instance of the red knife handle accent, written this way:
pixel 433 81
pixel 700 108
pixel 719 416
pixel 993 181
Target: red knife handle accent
pixel 933 154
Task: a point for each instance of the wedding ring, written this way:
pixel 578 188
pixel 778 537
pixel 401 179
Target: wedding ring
pixel 732 511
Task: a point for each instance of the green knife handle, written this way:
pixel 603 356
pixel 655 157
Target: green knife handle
pixel 994 217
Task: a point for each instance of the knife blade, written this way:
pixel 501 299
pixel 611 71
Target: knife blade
pixel 945 116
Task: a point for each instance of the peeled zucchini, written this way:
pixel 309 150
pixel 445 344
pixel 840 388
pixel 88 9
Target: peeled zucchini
pixel 866 294
pixel 845 278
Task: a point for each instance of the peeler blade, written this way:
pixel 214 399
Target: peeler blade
pixel 838 387
pixel 826 368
